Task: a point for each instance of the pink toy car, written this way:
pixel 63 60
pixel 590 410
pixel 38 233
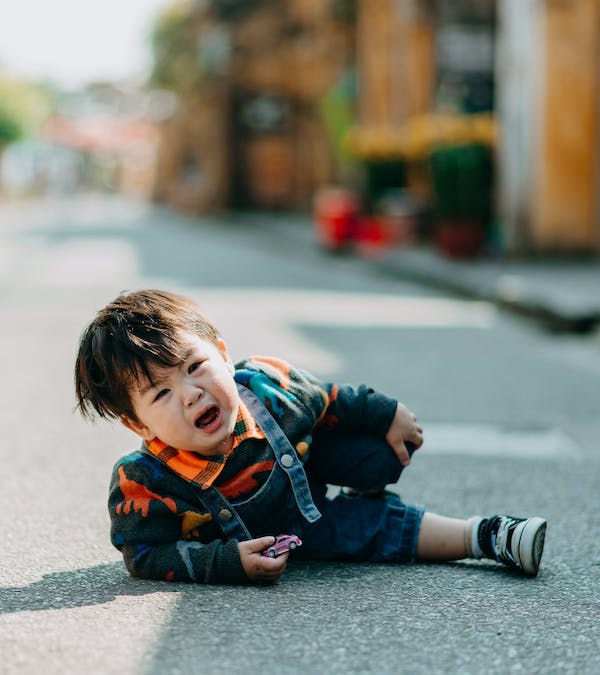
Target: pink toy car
pixel 283 543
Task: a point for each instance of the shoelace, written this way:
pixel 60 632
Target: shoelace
pixel 501 541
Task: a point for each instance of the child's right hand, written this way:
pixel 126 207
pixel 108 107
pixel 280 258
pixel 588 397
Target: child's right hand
pixel 404 428
pixel 258 567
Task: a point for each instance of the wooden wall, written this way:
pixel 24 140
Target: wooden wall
pixel 192 171
pixel 565 209
pixel 395 57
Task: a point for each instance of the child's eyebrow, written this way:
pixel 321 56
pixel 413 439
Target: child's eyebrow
pixel 149 385
pixel 159 380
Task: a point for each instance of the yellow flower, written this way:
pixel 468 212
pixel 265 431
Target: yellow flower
pixel 420 135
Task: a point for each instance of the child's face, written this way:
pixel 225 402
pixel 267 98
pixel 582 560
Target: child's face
pixel 192 406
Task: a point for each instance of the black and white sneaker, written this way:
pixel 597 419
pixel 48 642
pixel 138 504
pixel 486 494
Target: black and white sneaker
pixel 517 542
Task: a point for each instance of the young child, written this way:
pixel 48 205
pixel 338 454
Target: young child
pixel 232 455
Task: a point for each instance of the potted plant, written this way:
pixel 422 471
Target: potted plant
pixel 461 182
pixel 449 158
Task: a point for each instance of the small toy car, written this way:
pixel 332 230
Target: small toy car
pixel 283 543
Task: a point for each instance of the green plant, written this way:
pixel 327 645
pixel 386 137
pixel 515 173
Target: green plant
pixel 23 107
pixel 175 49
pixel 10 130
pixel 461 180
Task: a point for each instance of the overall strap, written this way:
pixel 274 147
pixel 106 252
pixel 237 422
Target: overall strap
pixel 285 454
pixel 224 514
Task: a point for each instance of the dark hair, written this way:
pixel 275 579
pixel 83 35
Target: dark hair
pixel 130 334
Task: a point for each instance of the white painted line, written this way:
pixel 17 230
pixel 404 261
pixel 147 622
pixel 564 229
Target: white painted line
pixel 270 318
pixel 488 440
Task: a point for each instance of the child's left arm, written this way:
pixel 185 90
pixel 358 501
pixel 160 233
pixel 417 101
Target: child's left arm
pixel 362 410
pixel 305 400
pixel 403 429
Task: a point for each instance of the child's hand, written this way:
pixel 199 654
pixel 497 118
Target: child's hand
pixel 258 567
pixel 404 428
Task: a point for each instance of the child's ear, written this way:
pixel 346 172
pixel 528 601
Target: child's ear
pixel 137 428
pixel 225 354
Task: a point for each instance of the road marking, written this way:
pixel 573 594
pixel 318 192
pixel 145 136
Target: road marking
pixel 270 317
pixel 351 309
pixel 488 440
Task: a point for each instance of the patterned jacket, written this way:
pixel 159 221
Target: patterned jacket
pixel 157 520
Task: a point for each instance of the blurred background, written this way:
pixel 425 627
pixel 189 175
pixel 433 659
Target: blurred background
pixel 469 126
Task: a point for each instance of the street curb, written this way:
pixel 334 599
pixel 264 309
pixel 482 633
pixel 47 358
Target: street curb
pixel 528 289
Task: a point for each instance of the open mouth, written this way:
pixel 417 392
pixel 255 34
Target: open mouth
pixel 208 417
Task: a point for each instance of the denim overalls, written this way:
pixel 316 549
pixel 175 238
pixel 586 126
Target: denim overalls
pixel 294 501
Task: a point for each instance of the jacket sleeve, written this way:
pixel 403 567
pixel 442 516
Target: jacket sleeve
pixel 146 526
pixel 357 411
pixel 299 400
pixel 213 563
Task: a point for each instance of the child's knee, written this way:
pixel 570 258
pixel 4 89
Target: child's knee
pixel 364 463
pixel 383 468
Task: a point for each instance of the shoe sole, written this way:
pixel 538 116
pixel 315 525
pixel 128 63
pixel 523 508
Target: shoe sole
pixel 530 545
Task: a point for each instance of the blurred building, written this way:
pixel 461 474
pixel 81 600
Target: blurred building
pixel 547 72
pixel 112 133
pixel 250 130
pixel 532 64
pixel 484 111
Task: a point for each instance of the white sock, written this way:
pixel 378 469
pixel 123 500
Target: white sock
pixel 471 540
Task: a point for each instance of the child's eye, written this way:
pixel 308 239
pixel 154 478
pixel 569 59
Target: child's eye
pixel 194 366
pixel 161 393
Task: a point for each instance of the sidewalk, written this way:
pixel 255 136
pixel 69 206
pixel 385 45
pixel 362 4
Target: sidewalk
pixel 565 295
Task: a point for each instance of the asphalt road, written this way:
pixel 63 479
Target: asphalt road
pixel 511 419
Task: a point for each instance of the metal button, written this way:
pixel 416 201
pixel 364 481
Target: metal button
pixel 287 460
pixel 225 514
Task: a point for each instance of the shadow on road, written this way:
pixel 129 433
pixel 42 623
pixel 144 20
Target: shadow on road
pixel 327 617
pixel 78 588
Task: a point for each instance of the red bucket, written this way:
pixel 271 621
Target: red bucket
pixel 335 217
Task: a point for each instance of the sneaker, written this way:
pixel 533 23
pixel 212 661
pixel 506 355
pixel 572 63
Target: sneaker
pixel 519 542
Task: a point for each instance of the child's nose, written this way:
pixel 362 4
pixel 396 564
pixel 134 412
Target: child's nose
pixel 190 395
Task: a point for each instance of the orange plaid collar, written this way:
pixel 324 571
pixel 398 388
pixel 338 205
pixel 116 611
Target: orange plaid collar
pixel 200 470
pixel 245 426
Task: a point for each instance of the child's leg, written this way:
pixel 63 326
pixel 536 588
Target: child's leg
pixel 442 538
pixel 516 542
pixel 363 463
pixel 360 529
